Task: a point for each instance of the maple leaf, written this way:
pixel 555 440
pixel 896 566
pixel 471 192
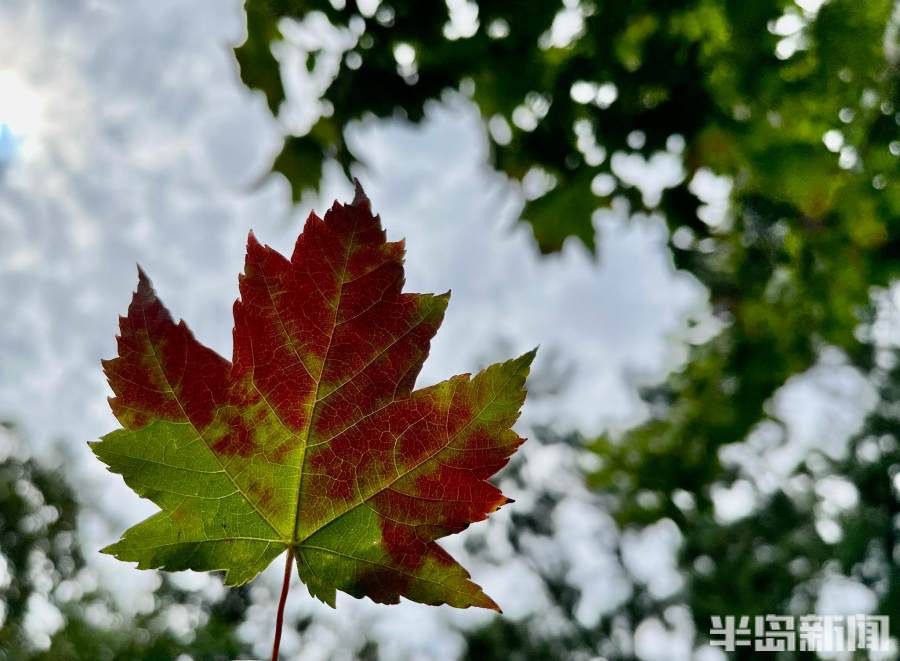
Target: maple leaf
pixel 311 440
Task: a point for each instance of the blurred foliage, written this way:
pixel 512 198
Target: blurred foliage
pixel 794 104
pixel 42 562
pixel 772 561
pixel 706 70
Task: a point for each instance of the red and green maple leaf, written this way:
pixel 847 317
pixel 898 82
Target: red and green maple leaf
pixel 311 439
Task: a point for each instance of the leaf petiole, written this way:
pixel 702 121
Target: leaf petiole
pixel 285 586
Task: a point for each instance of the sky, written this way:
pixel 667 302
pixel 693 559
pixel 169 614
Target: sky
pixel 126 137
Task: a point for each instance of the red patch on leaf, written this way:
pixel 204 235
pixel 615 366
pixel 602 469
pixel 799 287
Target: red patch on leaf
pixel 238 441
pixel 380 585
pixel 405 546
pixel 162 372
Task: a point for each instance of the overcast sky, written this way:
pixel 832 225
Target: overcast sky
pixel 126 137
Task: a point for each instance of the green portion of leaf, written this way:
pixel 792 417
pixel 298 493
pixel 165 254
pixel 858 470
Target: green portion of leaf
pixel 206 524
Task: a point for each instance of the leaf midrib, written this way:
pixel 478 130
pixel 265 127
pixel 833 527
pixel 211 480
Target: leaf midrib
pixel 315 395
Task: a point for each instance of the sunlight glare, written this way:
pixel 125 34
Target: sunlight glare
pixel 21 109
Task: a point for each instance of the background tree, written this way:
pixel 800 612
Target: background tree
pixel 42 562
